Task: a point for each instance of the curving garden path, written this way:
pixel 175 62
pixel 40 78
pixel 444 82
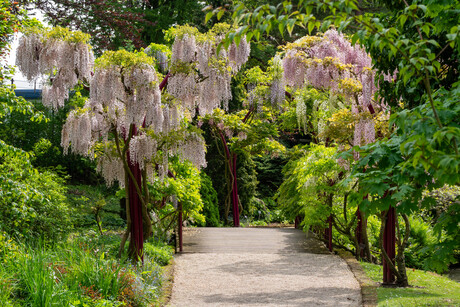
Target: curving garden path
pixel 260 267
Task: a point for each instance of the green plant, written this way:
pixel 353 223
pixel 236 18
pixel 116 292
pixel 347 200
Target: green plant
pixel 210 204
pixel 429 289
pixel 38 283
pixel 81 272
pixel 161 254
pixel 32 203
pixel 84 199
pixel 6 288
pixel 258 223
pixel 421 239
pixel 257 210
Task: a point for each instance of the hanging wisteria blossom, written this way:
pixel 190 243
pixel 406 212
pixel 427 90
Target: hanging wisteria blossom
pixel 201 77
pixel 277 88
pixel 325 61
pixel 64 56
pixel 238 54
pixel 28 55
pixel 194 149
pixel 331 62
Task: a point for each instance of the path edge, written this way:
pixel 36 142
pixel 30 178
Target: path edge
pixel 168 283
pixel 368 287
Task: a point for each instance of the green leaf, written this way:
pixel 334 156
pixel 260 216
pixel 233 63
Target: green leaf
pixel 237 39
pixel 426 29
pixel 311 26
pixel 402 20
pixel 208 16
pixel 281 28
pixel 290 25
pixel 220 14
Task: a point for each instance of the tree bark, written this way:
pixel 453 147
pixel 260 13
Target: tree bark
pixel 387 245
pixel 400 259
pixel 127 232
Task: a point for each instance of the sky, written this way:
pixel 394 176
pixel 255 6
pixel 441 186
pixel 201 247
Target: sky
pixel 19 79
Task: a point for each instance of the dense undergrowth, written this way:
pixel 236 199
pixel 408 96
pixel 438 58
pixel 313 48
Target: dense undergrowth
pixel 83 271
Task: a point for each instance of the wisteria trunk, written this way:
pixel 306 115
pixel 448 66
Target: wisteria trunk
pixel 389 239
pixel 136 244
pixel 231 160
pixel 362 240
pixel 235 199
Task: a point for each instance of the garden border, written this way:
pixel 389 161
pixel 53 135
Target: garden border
pixel 368 287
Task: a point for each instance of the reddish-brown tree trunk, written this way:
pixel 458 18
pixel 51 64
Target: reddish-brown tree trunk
pixel 135 207
pixel 236 208
pixel 179 222
pixel 359 234
pixel 389 241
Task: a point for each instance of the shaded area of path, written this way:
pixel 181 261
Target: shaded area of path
pixel 260 267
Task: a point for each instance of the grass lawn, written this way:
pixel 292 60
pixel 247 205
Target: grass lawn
pixel 427 289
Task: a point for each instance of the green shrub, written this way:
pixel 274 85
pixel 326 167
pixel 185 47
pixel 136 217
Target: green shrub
pixel 6 287
pixel 421 236
pixel 257 210
pixel 210 203
pixel 32 203
pixel 161 254
pixel 84 199
pixel 94 272
pixel 79 273
pixel 39 283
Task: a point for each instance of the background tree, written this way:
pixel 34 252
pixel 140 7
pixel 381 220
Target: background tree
pixel 127 24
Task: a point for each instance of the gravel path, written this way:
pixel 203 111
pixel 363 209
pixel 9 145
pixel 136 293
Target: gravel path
pixel 259 267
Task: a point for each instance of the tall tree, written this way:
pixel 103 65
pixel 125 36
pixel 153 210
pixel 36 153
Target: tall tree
pixel 127 125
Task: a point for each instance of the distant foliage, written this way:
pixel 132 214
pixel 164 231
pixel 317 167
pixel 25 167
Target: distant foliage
pixel 210 202
pixel 268 171
pixel 247 181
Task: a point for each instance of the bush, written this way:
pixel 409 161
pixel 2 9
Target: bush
pixel 43 138
pixel 32 203
pixel 421 236
pixel 87 201
pixel 161 254
pixel 257 210
pixel 8 249
pixel 210 203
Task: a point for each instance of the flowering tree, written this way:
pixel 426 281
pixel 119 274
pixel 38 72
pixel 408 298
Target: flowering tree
pixel 127 125
pixel 251 130
pixel 342 79
pixel 416 41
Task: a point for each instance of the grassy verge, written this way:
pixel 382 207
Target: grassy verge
pixel 427 289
